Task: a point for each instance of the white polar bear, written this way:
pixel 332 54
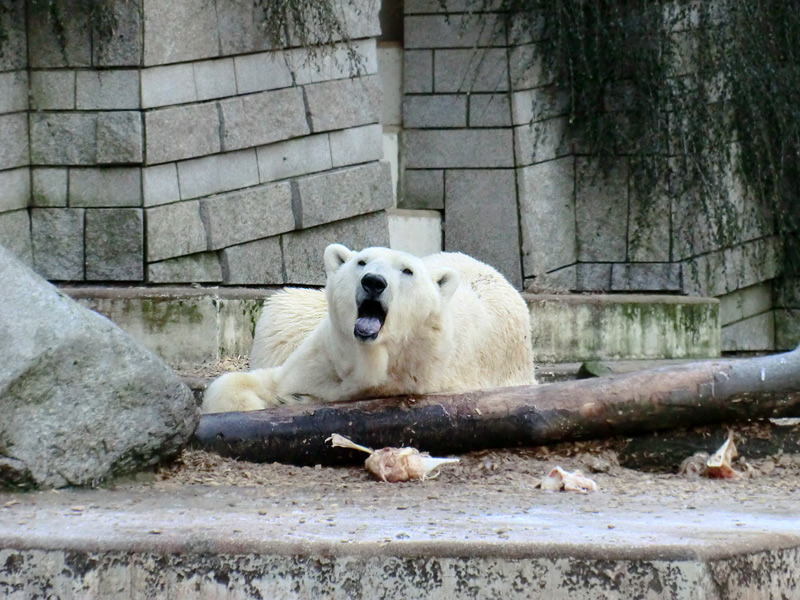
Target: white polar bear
pixel 388 323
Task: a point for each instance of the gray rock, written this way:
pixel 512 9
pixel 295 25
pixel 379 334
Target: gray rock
pixel 81 400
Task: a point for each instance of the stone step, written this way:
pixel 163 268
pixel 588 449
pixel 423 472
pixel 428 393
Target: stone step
pixel 194 326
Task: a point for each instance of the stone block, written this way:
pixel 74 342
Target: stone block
pixel 248 215
pixel 484 70
pixel 413 7
pixel 526 67
pixel 15 42
pixel 390 70
pixel 439 111
pixel 214 78
pixel 418 232
pixel 547 216
pixel 254 263
pixel 787 329
pixel 488 197
pixel 418 71
pixel 787 292
pixel 105 188
pixel 262 118
pixel 180 132
pixel 174 230
pixel 240 29
pixel 341 194
pixel 391 154
pixel 458 148
pixel 107 89
pixel 170 84
pixel 302 250
pixel 13 141
pixel 15 235
pixel 62 138
pixel 751 334
pixel 745 303
pixel 217 173
pixel 541 141
pixel 300 156
pixel 115 244
pixel 119 137
pixel 422 189
pixel 59 34
pixel 15 189
pixel 203 267
pixel 57 240
pixel 593 277
pixel 601 210
pixel 724 271
pixel 123 47
pixel 343 103
pixel 453 31
pixel 560 281
pixel 356 145
pixel 489 110
pixel 160 184
pixel 49 187
pixel 13 91
pixel 261 72
pixel 649 219
pixel 646 277
pixel 179 31
pixel 340 62
pixel 53 90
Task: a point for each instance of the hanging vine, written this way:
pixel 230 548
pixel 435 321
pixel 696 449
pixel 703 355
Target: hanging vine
pixel 704 94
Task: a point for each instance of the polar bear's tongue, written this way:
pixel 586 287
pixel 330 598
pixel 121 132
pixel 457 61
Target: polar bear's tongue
pixel 368 326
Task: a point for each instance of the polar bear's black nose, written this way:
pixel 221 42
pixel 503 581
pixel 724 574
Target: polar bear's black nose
pixel 373 284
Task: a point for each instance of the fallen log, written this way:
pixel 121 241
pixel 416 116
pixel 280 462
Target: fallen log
pixel 662 398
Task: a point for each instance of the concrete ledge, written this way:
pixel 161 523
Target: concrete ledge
pixel 193 326
pixel 186 326
pixel 577 328
pixel 379 541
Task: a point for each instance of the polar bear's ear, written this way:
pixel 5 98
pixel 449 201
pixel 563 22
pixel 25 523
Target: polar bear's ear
pixel 447 279
pixel 335 256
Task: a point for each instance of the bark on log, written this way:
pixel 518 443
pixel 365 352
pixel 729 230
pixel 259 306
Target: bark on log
pixel 662 398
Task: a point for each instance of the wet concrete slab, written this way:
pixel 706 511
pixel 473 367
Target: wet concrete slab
pixel 395 541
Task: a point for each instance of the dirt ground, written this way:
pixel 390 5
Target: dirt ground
pixel 771 476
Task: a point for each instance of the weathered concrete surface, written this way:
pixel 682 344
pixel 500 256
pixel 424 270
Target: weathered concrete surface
pixel 395 541
pixel 190 326
pixel 581 327
pixel 186 326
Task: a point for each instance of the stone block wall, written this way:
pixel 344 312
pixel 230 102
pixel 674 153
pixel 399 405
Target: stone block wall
pixel 458 136
pixel 15 184
pixel 184 148
pixel 487 143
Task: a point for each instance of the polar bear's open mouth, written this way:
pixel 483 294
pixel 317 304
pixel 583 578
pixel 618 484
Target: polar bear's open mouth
pixel 371 316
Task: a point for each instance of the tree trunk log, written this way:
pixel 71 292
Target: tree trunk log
pixel 662 398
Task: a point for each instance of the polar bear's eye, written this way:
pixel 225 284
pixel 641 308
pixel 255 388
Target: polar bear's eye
pixel 408 272
pixel 362 263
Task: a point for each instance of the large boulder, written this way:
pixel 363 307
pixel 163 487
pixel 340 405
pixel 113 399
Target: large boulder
pixel 80 400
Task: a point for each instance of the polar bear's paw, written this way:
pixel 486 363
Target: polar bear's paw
pixel 255 390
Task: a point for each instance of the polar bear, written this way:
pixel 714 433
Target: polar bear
pixel 388 323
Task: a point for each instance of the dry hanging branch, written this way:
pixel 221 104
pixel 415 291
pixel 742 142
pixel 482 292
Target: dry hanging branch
pixel 662 398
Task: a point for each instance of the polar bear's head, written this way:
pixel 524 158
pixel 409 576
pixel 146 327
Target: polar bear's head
pixel 379 294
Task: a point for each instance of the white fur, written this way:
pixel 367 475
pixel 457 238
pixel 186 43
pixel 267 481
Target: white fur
pixel 454 325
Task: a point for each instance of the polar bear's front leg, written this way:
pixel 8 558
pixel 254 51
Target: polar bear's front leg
pixel 254 390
